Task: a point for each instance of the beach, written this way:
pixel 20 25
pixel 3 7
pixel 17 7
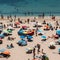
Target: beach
pixel 19 52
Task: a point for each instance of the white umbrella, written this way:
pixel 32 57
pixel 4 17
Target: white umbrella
pixel 52 43
pixel 9 27
pixel 39 23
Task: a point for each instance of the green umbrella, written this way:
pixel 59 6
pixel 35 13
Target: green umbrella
pixel 10 31
pixel 5 31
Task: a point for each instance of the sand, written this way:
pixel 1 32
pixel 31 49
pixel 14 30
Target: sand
pixel 19 53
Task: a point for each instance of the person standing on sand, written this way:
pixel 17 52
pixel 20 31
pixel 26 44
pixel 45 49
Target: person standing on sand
pixel 42 51
pixel 36 30
pixel 4 26
pixel 28 20
pixel 12 45
pixel 34 53
pixel 38 50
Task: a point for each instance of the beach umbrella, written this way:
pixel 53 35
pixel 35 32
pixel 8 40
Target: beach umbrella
pixel 20 31
pixel 5 31
pixel 20 41
pixel 24 43
pixel 25 32
pixel 10 31
pixel 39 31
pixel 18 23
pixel 29 37
pixel 58 31
pixel 43 37
pixel 1 36
pixel 10 27
pixel 6 52
pixel 27 49
pixel 24 26
pixel 22 36
pixel 52 43
pixel 2 50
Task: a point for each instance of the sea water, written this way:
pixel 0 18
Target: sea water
pixel 29 7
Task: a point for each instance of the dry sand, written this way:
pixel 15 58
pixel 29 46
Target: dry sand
pixel 19 53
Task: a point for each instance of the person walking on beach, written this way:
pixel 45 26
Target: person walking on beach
pixel 42 51
pixel 34 53
pixel 38 50
pixel 28 20
pixel 36 30
pixel 4 26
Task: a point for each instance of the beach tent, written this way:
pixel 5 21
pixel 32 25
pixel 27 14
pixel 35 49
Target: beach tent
pixel 58 32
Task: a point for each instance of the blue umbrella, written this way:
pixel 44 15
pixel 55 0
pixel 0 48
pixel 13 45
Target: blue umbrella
pixel 58 32
pixel 43 37
pixel 2 50
pixel 20 31
pixel 29 37
pixel 39 31
pixel 24 43
pixel 1 35
pixel 22 36
pixel 21 41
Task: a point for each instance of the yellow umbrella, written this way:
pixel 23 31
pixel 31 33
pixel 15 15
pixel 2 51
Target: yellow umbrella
pixel 25 32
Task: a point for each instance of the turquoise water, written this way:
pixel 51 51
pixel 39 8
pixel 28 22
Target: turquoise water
pixel 29 7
